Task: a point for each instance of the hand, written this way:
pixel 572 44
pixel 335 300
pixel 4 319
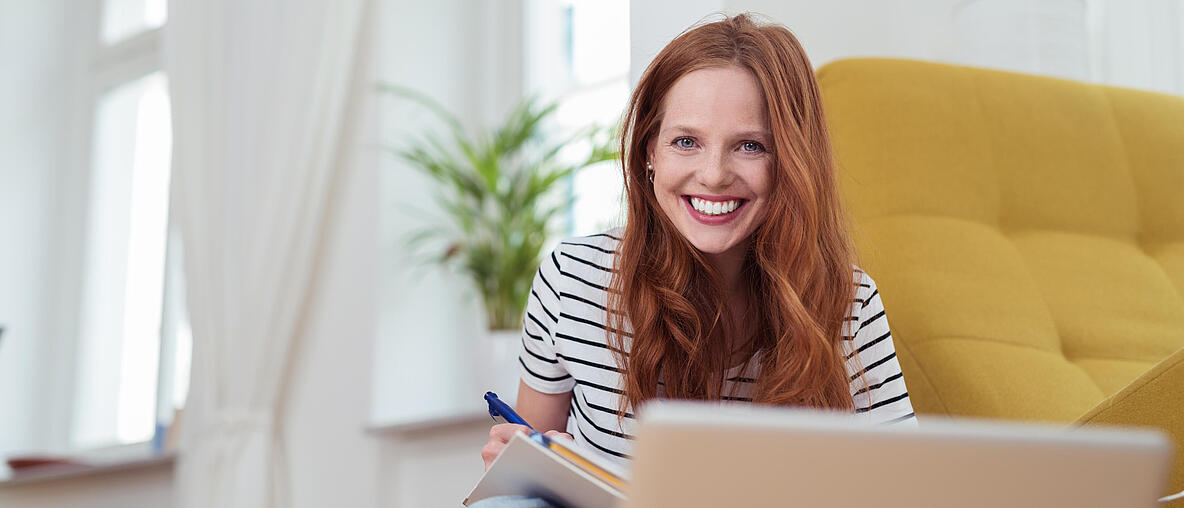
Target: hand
pixel 501 434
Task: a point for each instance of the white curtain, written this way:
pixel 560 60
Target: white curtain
pixel 259 90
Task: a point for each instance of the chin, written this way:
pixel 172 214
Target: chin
pixel 714 242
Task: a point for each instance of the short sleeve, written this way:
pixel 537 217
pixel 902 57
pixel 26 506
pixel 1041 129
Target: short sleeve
pixel 884 398
pixel 539 365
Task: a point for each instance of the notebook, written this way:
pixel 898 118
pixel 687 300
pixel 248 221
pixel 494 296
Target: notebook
pixel 556 469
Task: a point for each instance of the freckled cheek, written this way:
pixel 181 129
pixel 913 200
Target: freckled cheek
pixel 672 174
pixel 758 177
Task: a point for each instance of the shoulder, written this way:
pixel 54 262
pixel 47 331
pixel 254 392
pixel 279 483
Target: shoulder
pixel 866 308
pixel 591 251
pixel 605 242
pixel 865 286
pixel 582 265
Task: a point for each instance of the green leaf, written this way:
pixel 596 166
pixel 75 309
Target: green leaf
pixel 492 187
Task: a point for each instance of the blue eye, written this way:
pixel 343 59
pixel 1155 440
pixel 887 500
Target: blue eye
pixel 685 143
pixel 752 146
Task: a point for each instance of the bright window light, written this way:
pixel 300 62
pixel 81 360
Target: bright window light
pixel 123 19
pixel 578 54
pixel 119 344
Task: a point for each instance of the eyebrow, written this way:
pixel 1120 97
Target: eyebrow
pixel 754 133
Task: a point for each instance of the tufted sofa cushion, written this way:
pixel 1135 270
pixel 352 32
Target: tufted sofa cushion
pixel 1026 233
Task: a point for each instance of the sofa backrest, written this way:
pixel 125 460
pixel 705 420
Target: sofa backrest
pixel 1026 233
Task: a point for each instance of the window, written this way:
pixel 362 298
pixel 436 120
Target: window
pixel 577 52
pixel 131 359
pixel 125 18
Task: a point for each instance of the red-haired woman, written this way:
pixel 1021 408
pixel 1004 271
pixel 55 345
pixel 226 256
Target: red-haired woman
pixel 734 278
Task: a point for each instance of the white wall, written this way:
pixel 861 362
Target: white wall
pixel 828 31
pixel 464 55
pixel 150 487
pixel 34 98
pixel 1134 43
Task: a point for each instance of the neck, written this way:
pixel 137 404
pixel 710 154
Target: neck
pixel 728 265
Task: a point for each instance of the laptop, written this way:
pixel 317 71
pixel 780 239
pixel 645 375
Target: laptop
pixel 693 455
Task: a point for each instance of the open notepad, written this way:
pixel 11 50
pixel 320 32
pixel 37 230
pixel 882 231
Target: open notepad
pixel 554 469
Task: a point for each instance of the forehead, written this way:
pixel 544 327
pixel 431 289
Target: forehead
pixel 716 99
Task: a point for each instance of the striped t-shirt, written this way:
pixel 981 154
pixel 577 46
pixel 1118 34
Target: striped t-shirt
pixel 564 348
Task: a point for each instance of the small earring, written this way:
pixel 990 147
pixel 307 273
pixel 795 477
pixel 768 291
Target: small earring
pixel 649 171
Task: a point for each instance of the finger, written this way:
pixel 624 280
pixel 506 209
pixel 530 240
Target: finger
pixel 556 433
pixel 490 451
pixel 502 432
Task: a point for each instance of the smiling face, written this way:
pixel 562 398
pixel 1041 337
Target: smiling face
pixel 712 160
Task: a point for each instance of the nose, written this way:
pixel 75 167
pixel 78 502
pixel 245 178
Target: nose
pixel 716 172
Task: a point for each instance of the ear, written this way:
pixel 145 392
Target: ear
pixel 649 147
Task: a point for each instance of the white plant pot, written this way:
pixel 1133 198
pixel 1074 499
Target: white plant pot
pixel 496 357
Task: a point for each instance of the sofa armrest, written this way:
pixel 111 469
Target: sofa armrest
pixel 1155 399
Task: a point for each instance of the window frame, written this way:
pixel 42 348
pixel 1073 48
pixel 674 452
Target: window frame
pixel 561 90
pixel 96 69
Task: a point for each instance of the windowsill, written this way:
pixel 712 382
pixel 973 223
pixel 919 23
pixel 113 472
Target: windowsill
pixel 429 424
pixel 56 473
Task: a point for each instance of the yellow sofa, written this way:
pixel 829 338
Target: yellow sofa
pixel 1027 237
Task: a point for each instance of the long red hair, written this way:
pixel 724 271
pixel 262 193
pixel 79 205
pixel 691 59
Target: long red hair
pixel 665 300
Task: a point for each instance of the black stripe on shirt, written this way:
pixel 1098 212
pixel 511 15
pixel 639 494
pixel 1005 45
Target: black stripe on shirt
pixel 575 401
pixel 585 282
pixel 537 322
pixel 877 386
pixel 870 321
pixel 581 341
pixel 603 388
pixel 579 298
pixel 601 249
pixel 549 286
pixel 540 376
pixel 582 320
pixel 603 234
pixel 598 446
pixel 585 261
pixel 536 355
pixel 588 363
pixel 869 344
pixel 883 403
pixel 541 304
pixel 872 296
pixel 603 409
pixel 901 418
pixel 533 336
pixel 873 365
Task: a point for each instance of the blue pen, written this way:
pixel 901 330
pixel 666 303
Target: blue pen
pixel 498 408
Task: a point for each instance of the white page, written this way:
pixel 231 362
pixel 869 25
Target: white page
pixel 527 468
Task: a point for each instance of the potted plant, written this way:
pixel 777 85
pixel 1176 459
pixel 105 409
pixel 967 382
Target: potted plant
pixel 498 190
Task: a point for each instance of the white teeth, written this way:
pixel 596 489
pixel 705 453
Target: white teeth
pixel 714 207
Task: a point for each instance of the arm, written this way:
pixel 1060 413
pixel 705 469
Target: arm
pixel 544 411
pixel 884 398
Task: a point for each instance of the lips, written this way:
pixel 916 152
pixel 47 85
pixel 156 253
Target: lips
pixel 713 210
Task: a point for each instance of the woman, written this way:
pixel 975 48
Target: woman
pixel 734 278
